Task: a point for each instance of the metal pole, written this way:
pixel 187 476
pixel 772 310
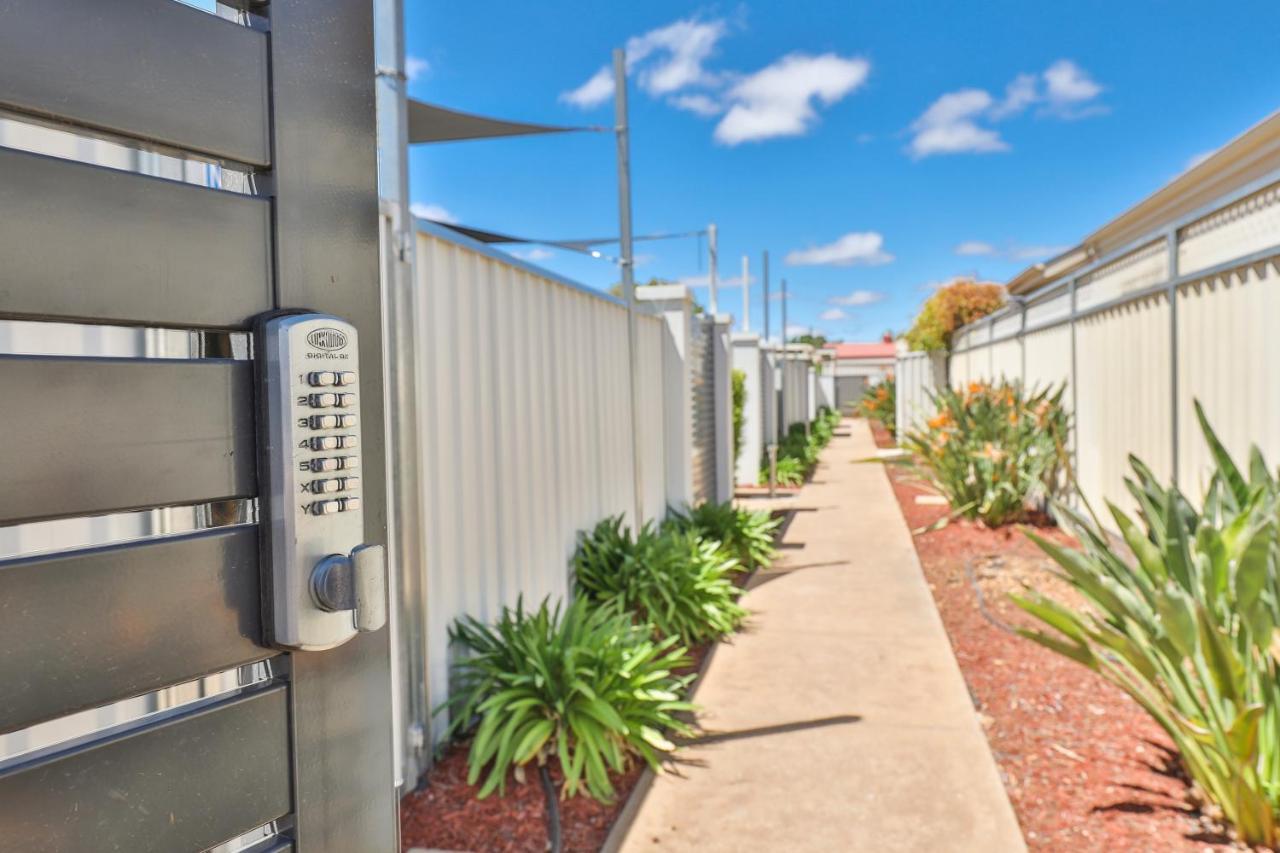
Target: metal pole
pixel 764 274
pixel 783 425
pixel 714 253
pixel 746 294
pixel 628 271
pixel 773 469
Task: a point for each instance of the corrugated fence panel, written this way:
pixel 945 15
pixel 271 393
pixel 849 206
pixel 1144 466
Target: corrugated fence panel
pixel 1250 225
pixel 1006 361
pixel 1140 268
pixel 1228 350
pixel 1048 358
pixel 1053 307
pixel 1122 356
pixel 526 422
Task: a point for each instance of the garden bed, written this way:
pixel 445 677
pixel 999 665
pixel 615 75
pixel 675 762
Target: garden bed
pixel 1084 766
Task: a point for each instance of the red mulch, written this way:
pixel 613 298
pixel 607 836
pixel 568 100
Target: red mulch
pixel 1085 767
pixel 445 814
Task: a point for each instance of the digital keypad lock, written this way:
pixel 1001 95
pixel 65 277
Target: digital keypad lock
pixel 321 584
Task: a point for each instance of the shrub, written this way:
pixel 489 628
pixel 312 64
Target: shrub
pixel 879 403
pixel 991 449
pixel 678 582
pixel 745 535
pixel 799 450
pixel 739 404
pixel 1185 624
pixel 951 307
pixel 585 687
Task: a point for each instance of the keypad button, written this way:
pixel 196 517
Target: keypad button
pixel 347 421
pixel 325 421
pixel 348 463
pixel 325 442
pixel 350 484
pixel 326 464
pixel 320 378
pixel 324 486
pixel 347 441
pixel 326 507
pixel 350 503
pixel 324 401
pixel 345 401
pixel 346 377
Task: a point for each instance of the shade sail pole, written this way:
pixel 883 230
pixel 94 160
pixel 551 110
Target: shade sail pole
pixel 623 132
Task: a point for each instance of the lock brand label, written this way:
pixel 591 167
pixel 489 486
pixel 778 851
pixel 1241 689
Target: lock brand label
pixel 327 339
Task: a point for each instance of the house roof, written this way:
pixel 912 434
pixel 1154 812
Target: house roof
pixel 1250 156
pixel 879 349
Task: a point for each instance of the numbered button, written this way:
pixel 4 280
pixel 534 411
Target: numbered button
pixel 326 507
pixel 345 401
pixel 346 421
pixel 321 487
pixel 324 401
pixel 345 377
pixel 325 442
pixel 321 378
pixel 326 464
pixel 348 463
pixel 326 421
pixel 347 441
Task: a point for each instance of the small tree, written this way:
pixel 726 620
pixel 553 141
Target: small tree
pixel 951 307
pixel 739 404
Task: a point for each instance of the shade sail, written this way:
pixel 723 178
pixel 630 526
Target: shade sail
pixel 430 123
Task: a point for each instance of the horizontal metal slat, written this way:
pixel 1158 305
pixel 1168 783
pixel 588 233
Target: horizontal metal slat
pixel 84 436
pixel 86 242
pixel 185 783
pixel 86 628
pixel 151 69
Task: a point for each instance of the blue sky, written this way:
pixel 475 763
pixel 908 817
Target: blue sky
pixel 873 148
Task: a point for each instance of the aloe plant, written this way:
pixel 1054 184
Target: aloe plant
pixel 676 581
pixel 1185 624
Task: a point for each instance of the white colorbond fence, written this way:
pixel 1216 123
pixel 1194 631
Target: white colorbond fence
pixel 525 428
pixel 917 376
pixel 1188 314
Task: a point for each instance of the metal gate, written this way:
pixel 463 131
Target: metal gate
pixel 139 710
pixel 702 385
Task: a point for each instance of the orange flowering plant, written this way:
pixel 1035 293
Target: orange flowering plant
pixel 879 402
pixel 993 450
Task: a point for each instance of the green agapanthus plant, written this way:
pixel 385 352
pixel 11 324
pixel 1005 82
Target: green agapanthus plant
pixel 746 535
pixel 676 581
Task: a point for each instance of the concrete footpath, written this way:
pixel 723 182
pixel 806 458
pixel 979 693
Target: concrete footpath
pixel 838 720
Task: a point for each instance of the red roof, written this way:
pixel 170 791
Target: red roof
pixel 872 350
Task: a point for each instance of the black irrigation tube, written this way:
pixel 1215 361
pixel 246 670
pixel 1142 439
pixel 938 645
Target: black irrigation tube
pixel 982 601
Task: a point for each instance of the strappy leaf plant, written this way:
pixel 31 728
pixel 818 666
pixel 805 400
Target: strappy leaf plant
pixel 744 534
pixel 583 686
pixel 1184 621
pixel 676 581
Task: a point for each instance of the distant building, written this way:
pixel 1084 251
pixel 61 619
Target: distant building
pixel 859 365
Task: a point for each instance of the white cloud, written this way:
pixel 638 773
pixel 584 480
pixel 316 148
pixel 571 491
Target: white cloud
pixel 1067 84
pixel 794 329
pixel 959 122
pixel 975 247
pixel 435 212
pixel 949 126
pixel 415 67
pixel 537 253
pixel 832 314
pixel 858 297
pixel 778 100
pixel 681 47
pixel 1034 253
pixel 861 248
pixel 592 93
pixel 665 60
pixel 698 104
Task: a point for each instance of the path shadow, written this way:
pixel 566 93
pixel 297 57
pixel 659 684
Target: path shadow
pixel 765 731
pixel 765 576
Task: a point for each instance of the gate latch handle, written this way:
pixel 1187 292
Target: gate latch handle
pixel 357 582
